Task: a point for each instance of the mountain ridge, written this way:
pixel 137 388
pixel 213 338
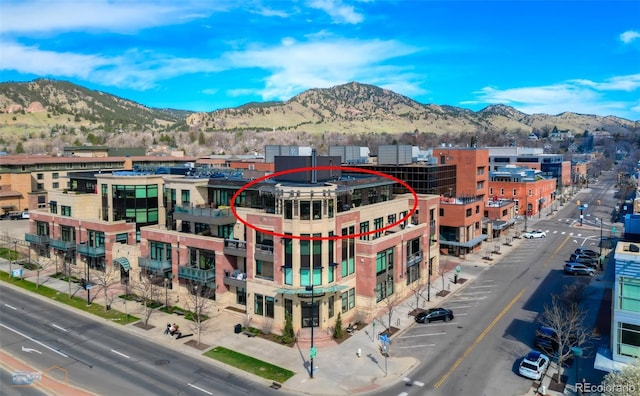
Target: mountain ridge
pixel 45 109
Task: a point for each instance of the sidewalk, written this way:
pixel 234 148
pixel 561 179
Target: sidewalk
pixel 357 372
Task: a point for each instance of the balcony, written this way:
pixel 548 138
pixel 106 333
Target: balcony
pixel 64 246
pixel 156 266
pixel 36 239
pixel 197 274
pixel 234 247
pixel 90 251
pixel 237 279
pixel 415 258
pixel 264 252
pixel 204 215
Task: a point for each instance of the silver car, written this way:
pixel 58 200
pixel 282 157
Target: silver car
pixel 578 269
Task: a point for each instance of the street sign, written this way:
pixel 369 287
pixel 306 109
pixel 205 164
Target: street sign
pixel 88 286
pixel 384 339
pixel 312 352
pixel 16 273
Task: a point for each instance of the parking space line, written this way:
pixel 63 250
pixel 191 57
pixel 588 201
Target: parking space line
pixel 461 306
pixel 416 346
pixel 422 335
pixel 479 286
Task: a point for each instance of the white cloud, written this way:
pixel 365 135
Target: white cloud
pixel 210 91
pixel 133 69
pixel 629 36
pixel 99 15
pixel 340 12
pixel 580 96
pixel 294 67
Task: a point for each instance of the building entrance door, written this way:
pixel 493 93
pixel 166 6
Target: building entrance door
pixel 310 314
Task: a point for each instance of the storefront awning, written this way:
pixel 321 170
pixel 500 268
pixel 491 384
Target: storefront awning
pixel 316 290
pixel 604 361
pixel 469 244
pixel 123 262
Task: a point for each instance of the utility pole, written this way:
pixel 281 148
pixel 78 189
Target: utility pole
pixel 429 262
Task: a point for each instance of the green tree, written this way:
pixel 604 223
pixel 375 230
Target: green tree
pixel 201 140
pixel 337 330
pixel 19 148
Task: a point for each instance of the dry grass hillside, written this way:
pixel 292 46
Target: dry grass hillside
pixel 44 115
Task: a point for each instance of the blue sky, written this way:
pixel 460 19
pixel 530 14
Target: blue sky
pixel 537 56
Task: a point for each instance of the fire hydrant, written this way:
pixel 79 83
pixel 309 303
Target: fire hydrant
pixel 543 390
pixel 359 353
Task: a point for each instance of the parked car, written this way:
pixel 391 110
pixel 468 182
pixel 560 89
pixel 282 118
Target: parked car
pixel 578 269
pixel 546 339
pixel 432 314
pixel 535 234
pixel 586 260
pixel 534 365
pixel 587 252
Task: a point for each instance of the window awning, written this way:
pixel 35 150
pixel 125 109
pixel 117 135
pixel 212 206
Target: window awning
pixel 316 290
pixel 123 262
pixel 469 244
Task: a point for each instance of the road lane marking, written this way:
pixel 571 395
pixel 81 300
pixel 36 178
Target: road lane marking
pixel 479 286
pixel 418 383
pixel 546 263
pixel 403 394
pixel 119 353
pixel 10 306
pixel 460 306
pixel 59 328
pixel 416 346
pixel 422 335
pixel 33 340
pixel 200 389
pixel 479 339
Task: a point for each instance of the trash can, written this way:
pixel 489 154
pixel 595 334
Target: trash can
pixel 237 328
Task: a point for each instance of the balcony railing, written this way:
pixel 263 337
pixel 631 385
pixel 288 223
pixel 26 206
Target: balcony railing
pixel 59 244
pixel 204 215
pixel 236 278
pixel 90 251
pixel 197 274
pixel 37 239
pixel 234 247
pixel 415 258
pixel 264 252
pixel 154 265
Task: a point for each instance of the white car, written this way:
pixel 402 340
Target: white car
pixel 534 365
pixel 535 234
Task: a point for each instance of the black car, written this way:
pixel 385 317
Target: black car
pixel 587 252
pixel 432 314
pixel 546 339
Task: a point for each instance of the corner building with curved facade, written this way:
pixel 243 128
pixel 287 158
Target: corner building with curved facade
pixel 263 267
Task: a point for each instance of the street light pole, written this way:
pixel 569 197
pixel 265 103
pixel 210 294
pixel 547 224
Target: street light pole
pixel 429 264
pixel 166 299
pixel 15 257
pixel 313 309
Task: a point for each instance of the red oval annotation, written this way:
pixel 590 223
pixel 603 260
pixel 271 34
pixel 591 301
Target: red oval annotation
pixel 323 168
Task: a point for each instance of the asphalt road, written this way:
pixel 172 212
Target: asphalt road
pixel 103 358
pixel 478 353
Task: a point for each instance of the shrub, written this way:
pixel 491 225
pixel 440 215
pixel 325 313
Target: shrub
pixel 337 330
pixel 287 332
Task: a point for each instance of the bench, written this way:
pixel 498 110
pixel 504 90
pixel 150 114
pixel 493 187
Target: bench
pixel 275 385
pixel 248 334
pixel 178 312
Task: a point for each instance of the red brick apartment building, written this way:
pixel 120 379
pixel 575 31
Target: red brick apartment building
pixel 180 232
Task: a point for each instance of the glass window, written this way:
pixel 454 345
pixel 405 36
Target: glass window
pixel 345 302
pixel 305 210
pixel 269 307
pixel 628 339
pixel 259 304
pixel 364 227
pixel 331 304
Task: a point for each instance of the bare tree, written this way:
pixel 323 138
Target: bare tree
pixel 148 293
pixel 42 263
pixel 201 306
pixel 625 382
pixel 565 316
pixel 444 270
pixel 107 279
pixel 389 309
pixel 417 290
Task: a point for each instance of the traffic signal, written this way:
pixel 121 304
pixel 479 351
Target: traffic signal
pixel 83 283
